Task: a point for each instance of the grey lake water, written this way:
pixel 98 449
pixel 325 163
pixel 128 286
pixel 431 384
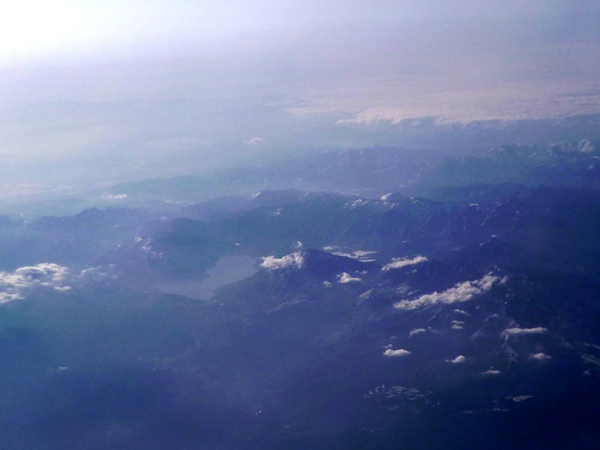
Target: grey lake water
pixel 227 270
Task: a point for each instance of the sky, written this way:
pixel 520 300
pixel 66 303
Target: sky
pixel 94 92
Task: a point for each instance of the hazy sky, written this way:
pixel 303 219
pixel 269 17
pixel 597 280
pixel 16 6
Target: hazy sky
pixel 99 91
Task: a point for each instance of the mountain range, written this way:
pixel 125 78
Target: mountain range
pixel 365 298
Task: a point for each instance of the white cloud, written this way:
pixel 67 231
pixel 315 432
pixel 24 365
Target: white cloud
pixel 97 274
pixel 586 146
pixel 347 278
pixel 416 331
pixel 107 196
pixel 361 255
pixel 365 295
pixel 254 141
pixel 397 263
pixel 491 372
pixel 356 203
pixel 521 398
pixel 457 325
pixel 18 284
pixel 396 353
pixel 461 292
pixel 460 359
pixel 523 331
pixel 295 259
pixel 148 251
pixel 540 357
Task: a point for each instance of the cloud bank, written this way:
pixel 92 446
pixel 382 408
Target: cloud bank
pixel 19 284
pixel 461 292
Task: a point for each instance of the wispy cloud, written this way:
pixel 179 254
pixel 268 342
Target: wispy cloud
pixel 398 263
pixel 523 331
pixel 97 274
pixel 295 259
pixel 19 284
pixel 416 331
pixel 107 196
pixel 461 292
pixel 254 141
pixel 361 255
